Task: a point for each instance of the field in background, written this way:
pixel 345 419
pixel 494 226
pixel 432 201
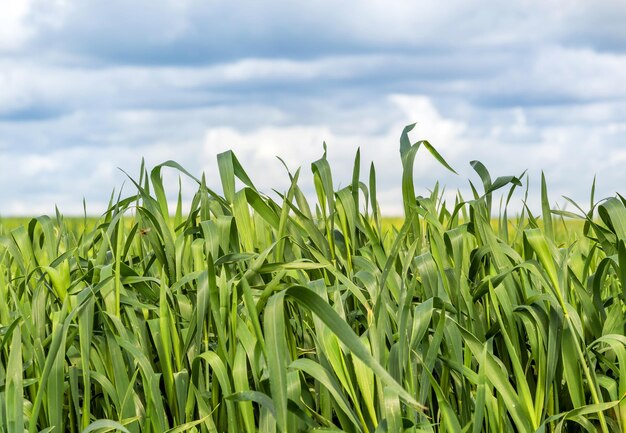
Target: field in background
pixel 75 224
pixel 245 314
pixel 565 228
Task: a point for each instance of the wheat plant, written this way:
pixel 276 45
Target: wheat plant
pixel 246 313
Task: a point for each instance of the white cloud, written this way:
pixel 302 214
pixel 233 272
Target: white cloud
pixel 88 86
pixel 570 155
pixel 13 30
pixel 93 169
pixel 298 146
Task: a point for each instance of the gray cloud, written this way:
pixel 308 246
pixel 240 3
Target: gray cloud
pixel 198 32
pixel 89 86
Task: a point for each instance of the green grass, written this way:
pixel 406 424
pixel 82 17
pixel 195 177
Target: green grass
pixel 76 225
pixel 248 314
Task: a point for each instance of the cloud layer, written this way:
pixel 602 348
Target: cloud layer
pixel 86 87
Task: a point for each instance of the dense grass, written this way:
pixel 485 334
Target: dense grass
pixel 245 314
pixel 76 225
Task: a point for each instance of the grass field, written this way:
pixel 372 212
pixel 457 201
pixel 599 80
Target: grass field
pixel 247 314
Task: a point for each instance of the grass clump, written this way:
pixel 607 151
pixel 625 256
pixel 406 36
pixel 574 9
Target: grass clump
pixel 248 314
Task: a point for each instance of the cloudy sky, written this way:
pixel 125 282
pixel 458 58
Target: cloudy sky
pixel 89 86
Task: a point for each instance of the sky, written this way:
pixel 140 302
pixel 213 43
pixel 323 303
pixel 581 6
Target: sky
pixel 90 87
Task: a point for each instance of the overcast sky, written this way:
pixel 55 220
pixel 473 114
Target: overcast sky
pixel 87 86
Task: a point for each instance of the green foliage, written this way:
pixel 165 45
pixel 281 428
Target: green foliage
pixel 252 314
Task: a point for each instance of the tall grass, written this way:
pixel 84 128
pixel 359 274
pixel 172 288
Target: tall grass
pixel 246 313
